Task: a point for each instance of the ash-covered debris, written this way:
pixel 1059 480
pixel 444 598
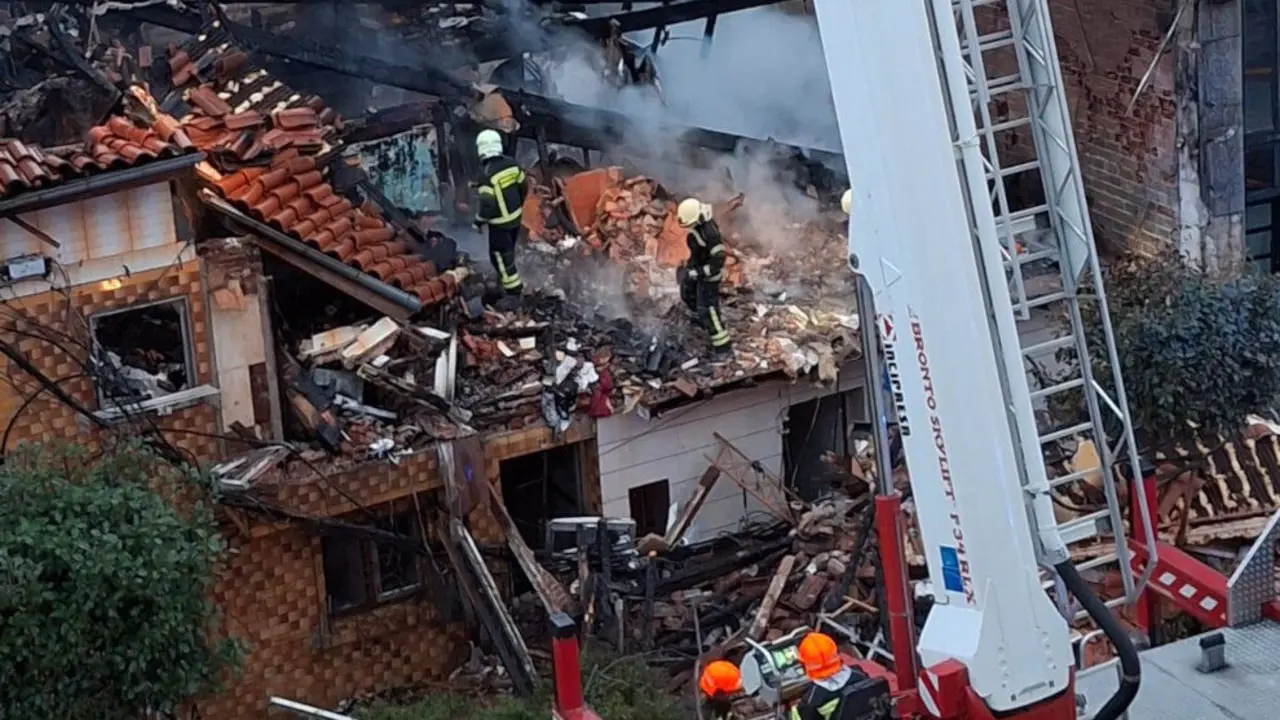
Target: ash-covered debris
pixel 58 76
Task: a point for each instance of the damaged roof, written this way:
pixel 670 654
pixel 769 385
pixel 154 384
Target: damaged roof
pixel 116 145
pixel 791 310
pixel 241 116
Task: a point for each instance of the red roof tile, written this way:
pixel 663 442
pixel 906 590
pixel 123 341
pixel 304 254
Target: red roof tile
pixel 240 114
pixel 117 145
pixel 291 196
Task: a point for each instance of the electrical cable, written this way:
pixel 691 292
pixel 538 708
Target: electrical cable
pixel 1130 666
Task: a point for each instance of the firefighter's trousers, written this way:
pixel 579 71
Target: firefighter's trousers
pixel 502 253
pixel 708 312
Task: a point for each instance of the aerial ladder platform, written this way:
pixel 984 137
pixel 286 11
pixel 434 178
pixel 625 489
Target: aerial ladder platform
pixel 970 235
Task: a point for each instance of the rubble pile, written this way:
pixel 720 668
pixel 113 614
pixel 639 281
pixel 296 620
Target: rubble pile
pixel 800 564
pixel 791 314
pixel 764 589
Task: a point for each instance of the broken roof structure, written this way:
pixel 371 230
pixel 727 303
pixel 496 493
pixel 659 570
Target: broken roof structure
pixel 267 144
pixel 270 171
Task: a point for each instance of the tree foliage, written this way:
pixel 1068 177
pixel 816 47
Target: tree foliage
pixel 105 585
pixel 1193 347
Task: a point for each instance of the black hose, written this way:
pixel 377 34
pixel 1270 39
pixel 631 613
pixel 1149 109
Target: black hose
pixel 1130 667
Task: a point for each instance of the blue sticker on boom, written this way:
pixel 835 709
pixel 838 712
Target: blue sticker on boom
pixel 952 580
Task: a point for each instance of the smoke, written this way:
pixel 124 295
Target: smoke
pixel 761 76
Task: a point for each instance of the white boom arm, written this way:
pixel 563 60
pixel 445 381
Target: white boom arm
pixel 950 346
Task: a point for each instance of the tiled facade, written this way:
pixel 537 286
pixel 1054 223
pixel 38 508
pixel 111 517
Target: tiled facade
pixel 43 417
pixel 272 587
pixel 272 591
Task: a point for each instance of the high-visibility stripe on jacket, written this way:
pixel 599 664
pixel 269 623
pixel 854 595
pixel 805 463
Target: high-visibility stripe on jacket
pixel 706 250
pixel 502 191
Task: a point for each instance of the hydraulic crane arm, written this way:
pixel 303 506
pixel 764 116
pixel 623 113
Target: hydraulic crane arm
pixel 951 352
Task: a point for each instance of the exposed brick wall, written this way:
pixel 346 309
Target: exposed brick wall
pixel 1129 159
pixel 46 418
pixel 329 489
pixel 271 588
pixel 272 591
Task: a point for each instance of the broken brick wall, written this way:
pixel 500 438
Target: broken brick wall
pixel 272 592
pixel 1127 148
pixel 537 438
pixel 240 319
pixel 271 587
pixel 29 416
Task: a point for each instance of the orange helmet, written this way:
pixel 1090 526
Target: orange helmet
pixel 819 655
pixel 720 676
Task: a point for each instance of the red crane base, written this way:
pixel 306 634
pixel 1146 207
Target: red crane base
pixel 942 692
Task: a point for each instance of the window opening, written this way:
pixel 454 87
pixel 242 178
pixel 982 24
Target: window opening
pixel 143 353
pixel 361 573
pixel 649 506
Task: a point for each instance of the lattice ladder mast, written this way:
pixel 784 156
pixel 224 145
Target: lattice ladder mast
pixel 1000 62
pixel 928 93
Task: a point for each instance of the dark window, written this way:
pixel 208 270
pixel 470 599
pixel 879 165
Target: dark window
pixel 142 353
pixel 650 504
pixel 815 428
pixel 361 573
pixel 344 573
pixel 397 564
pixel 540 486
pixel 1261 55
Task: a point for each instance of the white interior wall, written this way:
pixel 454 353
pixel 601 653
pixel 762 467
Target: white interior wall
pixel 679 446
pixel 104 237
pixel 238 343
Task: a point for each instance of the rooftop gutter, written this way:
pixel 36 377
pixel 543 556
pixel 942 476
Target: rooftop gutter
pixel 393 295
pixel 99 184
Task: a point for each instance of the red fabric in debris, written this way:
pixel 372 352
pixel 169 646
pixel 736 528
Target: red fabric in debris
pixel 601 406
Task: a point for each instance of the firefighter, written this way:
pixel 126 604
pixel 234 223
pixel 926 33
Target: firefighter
pixel 720 681
pixel 846 201
pixel 502 190
pixel 700 278
pixel 828 675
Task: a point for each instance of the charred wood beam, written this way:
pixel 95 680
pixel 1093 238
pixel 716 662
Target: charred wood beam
pixel 563 122
pixel 601 27
pixel 674 14
pixel 424 79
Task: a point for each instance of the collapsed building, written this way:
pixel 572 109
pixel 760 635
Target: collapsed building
pixel 228 264
pixel 212 266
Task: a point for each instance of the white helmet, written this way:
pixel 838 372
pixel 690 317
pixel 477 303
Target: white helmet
pixel 691 210
pixel 488 144
pixel 846 201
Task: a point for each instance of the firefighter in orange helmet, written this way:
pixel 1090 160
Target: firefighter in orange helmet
pixel 828 675
pixel 720 681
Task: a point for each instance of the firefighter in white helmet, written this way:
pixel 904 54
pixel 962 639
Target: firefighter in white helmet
pixel 502 190
pixel 700 278
pixel 846 201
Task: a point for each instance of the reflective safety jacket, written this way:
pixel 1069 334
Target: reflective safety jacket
pixel 502 190
pixel 706 251
pixel 824 699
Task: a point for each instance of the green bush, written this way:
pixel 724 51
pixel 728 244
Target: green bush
pixel 617 688
pixel 1192 347
pixel 104 586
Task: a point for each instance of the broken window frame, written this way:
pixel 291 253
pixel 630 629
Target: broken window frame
pixel 117 408
pixel 370 555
